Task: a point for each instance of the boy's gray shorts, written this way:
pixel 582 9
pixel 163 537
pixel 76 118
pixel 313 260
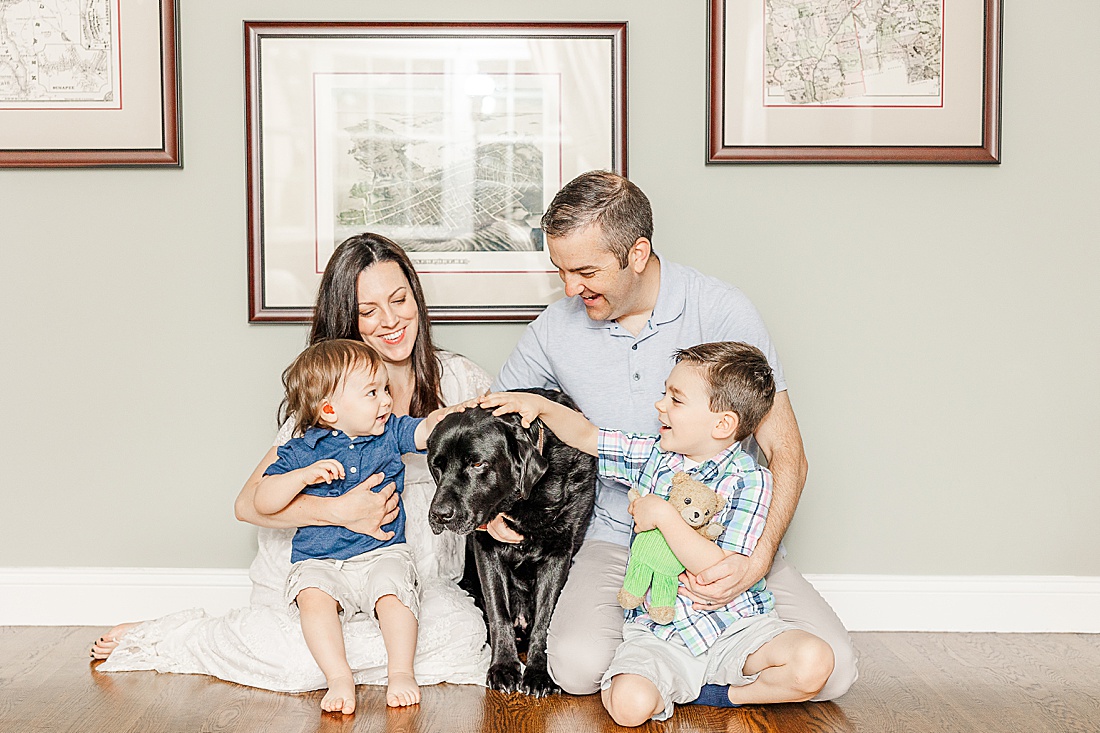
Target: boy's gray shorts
pixel 677 673
pixel 358 583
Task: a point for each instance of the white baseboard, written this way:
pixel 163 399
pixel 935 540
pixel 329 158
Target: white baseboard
pixel 1006 603
pixel 106 596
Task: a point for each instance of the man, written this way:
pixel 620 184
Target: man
pixel 625 312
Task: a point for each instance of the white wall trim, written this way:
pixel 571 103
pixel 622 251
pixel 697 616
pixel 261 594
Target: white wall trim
pixel 1005 603
pixel 1009 603
pixel 107 596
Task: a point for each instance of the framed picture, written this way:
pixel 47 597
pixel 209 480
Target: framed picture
pixel 844 81
pixel 88 83
pixel 450 139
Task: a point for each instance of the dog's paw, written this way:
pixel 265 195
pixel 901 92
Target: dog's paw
pixel 505 677
pixel 537 682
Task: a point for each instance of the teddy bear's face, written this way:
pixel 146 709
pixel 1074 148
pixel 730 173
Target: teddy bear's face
pixel 695 502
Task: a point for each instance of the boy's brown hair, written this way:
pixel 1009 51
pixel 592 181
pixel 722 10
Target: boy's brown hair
pixel 738 378
pixel 317 373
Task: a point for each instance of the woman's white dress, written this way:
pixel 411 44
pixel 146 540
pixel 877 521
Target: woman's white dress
pixel 262 647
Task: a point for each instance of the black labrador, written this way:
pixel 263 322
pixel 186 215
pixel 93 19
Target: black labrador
pixel 486 465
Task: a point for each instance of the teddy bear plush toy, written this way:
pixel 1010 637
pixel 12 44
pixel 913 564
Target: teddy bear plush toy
pixel 652 566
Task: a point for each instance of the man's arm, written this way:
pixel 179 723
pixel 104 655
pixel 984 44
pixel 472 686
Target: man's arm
pixel 781 442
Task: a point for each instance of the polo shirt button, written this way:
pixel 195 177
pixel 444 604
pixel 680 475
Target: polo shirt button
pixel 335 432
pixel 637 376
pixel 634 347
pixel 353 469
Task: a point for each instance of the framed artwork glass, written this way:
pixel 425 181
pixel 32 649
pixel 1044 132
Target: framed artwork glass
pixel 908 81
pixel 88 83
pixel 449 139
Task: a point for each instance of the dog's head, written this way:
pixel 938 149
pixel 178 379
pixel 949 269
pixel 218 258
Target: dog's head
pixel 482 465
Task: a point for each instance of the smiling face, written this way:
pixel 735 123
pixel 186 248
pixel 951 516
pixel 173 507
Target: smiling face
pixel 387 311
pixel 608 290
pixel 688 425
pixel 361 404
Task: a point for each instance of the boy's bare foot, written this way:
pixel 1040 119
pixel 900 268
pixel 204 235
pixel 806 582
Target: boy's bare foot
pixel 402 690
pixel 340 697
pixel 106 644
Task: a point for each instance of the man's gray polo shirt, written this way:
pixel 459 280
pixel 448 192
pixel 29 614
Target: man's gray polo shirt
pixel 616 377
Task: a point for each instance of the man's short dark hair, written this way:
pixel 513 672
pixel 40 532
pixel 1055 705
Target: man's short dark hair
pixel 619 207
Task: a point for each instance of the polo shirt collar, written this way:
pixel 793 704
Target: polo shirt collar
pixel 314 435
pixel 671 299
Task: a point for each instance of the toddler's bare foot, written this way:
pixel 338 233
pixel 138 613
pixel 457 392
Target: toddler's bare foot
pixel 402 690
pixel 106 644
pixel 340 697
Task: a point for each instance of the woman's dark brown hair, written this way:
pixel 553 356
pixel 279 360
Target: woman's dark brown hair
pixel 336 314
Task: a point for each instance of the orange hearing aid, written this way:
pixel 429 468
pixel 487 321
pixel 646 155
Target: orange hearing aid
pixel 327 409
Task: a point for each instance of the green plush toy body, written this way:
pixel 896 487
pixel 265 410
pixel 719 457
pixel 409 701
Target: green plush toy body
pixel 653 567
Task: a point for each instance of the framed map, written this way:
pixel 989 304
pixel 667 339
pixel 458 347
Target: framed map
pixel 854 81
pixel 450 139
pixel 88 83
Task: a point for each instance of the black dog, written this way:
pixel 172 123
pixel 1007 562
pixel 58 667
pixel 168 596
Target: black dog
pixel 485 465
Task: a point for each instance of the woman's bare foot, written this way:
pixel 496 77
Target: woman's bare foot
pixel 340 697
pixel 402 690
pixel 106 644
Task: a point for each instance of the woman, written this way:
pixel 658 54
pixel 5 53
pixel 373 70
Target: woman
pixel 371 292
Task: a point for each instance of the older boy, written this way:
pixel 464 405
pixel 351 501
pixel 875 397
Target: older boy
pixel 714 398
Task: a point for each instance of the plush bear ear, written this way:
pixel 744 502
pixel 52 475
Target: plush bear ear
pixel 676 494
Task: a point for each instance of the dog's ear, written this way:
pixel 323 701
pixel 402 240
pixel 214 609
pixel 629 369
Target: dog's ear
pixel 528 464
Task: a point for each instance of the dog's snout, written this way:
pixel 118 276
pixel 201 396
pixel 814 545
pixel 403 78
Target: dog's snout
pixel 442 513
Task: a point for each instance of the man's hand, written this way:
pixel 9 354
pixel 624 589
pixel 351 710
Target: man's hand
pixel 719 584
pixel 365 511
pixel 499 530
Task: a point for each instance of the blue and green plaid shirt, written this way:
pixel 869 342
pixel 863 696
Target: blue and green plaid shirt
pixel 637 460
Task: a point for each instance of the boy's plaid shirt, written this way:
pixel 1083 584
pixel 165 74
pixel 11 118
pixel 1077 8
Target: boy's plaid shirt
pixel 638 461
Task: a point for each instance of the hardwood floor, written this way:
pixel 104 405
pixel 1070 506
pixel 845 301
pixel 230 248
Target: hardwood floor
pixel 909 683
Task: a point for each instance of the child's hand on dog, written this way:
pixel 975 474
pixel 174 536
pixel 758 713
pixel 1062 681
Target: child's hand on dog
pixel 529 406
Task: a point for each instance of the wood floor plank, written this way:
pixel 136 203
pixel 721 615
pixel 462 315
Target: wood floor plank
pixel 909 683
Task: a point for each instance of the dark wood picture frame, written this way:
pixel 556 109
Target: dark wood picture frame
pixel 313 45
pixel 721 104
pixel 162 91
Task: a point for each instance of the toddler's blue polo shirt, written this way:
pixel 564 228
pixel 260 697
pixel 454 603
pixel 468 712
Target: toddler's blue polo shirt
pixel 361 457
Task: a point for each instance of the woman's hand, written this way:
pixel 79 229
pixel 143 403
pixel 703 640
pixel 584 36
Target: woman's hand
pixel 365 511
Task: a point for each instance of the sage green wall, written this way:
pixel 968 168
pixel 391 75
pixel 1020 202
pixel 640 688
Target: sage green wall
pixel 940 325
